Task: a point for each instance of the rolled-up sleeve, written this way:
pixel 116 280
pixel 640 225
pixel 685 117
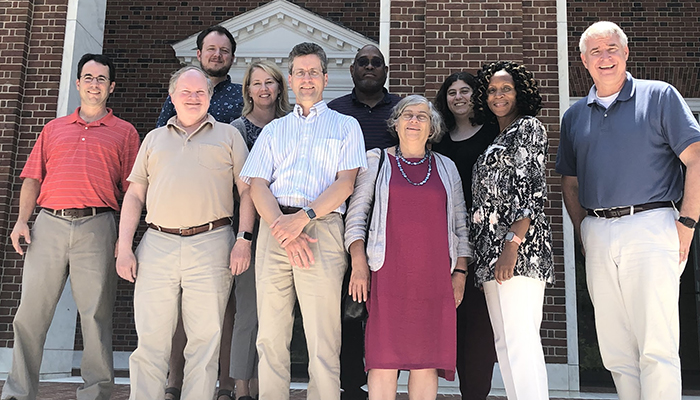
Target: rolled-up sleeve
pixel 353 152
pixel 259 163
pixel 529 182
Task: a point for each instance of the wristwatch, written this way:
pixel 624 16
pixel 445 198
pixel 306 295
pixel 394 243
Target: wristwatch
pixel 512 237
pixel 245 236
pixel 309 212
pixel 689 222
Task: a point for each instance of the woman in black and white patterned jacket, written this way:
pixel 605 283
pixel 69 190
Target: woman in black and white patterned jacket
pixel 509 228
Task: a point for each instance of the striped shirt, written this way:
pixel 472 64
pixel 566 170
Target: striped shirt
pixel 82 164
pixel 301 156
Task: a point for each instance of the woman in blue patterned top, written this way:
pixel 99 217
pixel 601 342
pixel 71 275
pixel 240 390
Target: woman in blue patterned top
pixel 511 234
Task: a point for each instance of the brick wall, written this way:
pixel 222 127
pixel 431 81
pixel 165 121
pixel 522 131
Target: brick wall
pixel 31 47
pixel 664 40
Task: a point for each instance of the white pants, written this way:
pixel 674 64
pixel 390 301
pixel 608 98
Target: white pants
pixel 515 308
pixel 633 274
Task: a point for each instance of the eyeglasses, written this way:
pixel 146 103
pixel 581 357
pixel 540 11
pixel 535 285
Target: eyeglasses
pixel 313 73
pixel 100 79
pixel 364 61
pixel 406 116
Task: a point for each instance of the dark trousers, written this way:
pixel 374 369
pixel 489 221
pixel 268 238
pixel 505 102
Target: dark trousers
pixel 476 353
pixel 352 365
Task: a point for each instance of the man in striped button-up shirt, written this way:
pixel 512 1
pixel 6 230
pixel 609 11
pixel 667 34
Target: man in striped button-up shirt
pixel 301 170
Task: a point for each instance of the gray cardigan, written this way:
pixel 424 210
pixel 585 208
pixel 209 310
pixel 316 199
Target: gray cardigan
pixel 356 218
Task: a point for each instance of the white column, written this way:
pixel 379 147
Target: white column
pixel 384 31
pixel 85 26
pixel 569 254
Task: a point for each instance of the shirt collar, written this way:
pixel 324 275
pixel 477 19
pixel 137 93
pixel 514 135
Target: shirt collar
pixel 385 100
pixel 107 120
pixel 172 123
pixel 316 110
pixel 221 85
pixel 626 92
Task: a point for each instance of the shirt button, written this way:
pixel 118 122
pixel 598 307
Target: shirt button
pixel 83 139
pixel 86 128
pixel 605 115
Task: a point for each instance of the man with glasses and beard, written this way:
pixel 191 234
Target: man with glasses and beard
pixel 215 52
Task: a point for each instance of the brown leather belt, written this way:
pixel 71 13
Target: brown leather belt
pixel 78 212
pixel 194 230
pixel 289 210
pixel 618 212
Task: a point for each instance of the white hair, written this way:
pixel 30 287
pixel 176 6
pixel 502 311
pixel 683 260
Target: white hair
pixel 601 29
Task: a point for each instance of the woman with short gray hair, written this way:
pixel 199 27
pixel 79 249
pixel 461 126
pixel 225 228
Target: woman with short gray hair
pixel 406 223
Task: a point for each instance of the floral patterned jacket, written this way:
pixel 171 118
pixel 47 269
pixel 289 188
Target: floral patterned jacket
pixel 508 184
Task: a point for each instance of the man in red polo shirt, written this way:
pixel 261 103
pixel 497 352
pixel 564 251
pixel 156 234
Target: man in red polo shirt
pixel 76 173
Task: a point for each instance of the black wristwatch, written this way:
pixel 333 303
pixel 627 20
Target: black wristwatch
pixel 245 236
pixel 309 212
pixel 689 222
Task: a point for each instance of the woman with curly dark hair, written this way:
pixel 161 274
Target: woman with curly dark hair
pixel 510 231
pixel 463 143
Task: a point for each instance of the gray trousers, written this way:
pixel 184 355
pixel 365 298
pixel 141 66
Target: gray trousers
pixel 244 355
pixel 82 248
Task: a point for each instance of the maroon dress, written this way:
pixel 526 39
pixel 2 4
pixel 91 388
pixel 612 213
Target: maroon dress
pixel 412 317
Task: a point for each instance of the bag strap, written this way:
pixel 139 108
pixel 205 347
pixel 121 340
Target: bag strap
pixel 371 205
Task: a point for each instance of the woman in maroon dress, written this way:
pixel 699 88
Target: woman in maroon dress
pixel 417 249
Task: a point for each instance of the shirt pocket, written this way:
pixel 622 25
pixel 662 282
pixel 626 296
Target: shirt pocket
pixel 214 157
pixel 325 157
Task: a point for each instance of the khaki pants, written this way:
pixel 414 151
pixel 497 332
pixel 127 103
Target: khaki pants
pixel 82 248
pixel 633 274
pixel 318 290
pixel 192 269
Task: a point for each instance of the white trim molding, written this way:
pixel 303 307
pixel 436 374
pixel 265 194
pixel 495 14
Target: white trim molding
pixel 271 31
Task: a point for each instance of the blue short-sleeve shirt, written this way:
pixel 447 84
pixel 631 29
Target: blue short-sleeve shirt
pixel 628 153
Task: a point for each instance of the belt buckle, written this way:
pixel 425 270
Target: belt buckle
pixel 186 231
pixel 67 213
pixel 596 210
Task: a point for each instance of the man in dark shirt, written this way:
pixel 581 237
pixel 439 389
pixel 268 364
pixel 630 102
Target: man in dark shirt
pixel 215 52
pixel 369 102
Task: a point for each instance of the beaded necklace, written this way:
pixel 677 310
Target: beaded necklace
pixel 428 156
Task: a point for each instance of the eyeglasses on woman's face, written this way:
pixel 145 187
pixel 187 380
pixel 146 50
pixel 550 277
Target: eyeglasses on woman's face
pixel 407 116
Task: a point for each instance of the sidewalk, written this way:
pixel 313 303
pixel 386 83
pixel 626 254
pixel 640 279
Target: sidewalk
pixel 64 389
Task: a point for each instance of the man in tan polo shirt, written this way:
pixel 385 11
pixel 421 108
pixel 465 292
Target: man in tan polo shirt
pixel 184 173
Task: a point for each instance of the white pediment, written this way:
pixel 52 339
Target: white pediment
pixel 270 31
